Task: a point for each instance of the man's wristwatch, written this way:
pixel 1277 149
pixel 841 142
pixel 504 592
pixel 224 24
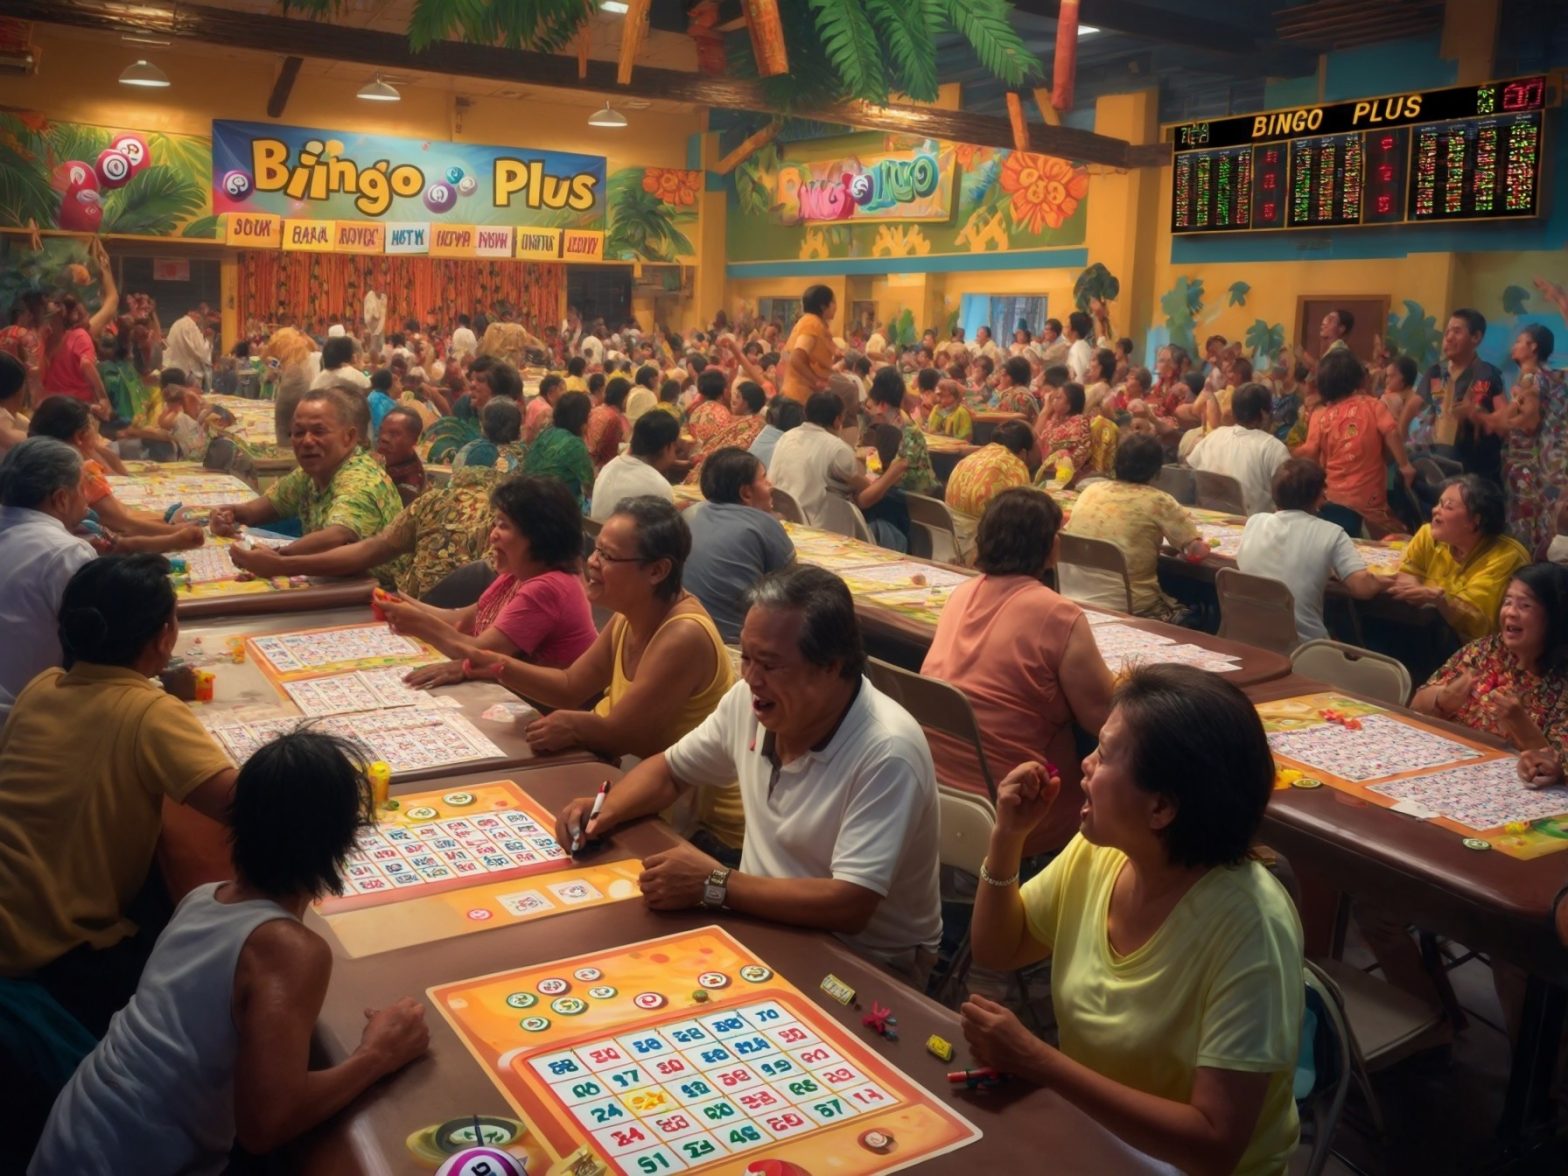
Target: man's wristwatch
pixel 716 889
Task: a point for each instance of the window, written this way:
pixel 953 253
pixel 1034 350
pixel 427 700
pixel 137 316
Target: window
pixel 1003 313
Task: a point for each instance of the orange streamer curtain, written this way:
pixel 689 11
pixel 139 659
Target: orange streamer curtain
pixel 311 286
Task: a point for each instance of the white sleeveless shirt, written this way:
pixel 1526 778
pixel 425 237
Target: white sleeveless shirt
pixel 158 1092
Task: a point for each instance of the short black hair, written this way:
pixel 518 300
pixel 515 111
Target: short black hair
pixel 299 805
pixel 571 412
pixel 113 606
pixel 1251 402
pixel 1548 583
pixel 1483 498
pixel 887 387
pixel 646 375
pixel 1075 397
pixel 1056 375
pixel 481 364
pixel 1017 532
pixel 711 384
pixel 1177 714
pixel 654 432
pixel 548 516
pixel 596 382
pixel 403 413
pixel 549 383
pixel 1298 483
pixel 785 414
pixel 1139 458
pixel 501 421
pixel 1054 324
pixel 504 380
pixel 463 320
pixel 336 351
pixel 1340 374
pixel 13 376
pixel 576 366
pixel 1194 382
pixel 1474 320
pixel 1242 366
pixel 1081 324
pixel 381 380
pixel 171 377
pixel 825 408
pixel 751 395
pixel 1014 436
pixel 616 391
pixel 669 391
pixel 1347 320
pixel 816 299
pixel 830 630
pixel 1409 372
pixel 728 471
pixel 1545 342
pixel 926 379
pixel 1105 360
pixel 661 534
pixel 60 417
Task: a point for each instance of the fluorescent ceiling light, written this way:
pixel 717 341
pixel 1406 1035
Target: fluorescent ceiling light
pixel 607 117
pixel 136 39
pixel 379 91
pixel 143 73
pixel 616 6
pixel 1086 30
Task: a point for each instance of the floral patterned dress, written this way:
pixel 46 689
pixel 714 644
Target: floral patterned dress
pixel 706 418
pixel 1543 696
pixel 1071 436
pixel 1535 465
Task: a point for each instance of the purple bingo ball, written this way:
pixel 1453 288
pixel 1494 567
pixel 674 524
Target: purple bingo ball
pixel 237 184
pixel 467 186
pixel 440 196
pixel 482 1161
pixel 454 175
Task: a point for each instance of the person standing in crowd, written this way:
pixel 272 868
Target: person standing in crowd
pixel 1462 388
pixel 374 318
pixel 187 348
pixel 808 356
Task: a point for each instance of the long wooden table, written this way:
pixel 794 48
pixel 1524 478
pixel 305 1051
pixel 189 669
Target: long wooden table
pixel 1019 1124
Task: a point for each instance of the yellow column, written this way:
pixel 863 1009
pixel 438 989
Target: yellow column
pixel 709 287
pixel 1124 212
pixel 229 296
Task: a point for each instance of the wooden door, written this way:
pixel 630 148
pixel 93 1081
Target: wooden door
pixel 1371 315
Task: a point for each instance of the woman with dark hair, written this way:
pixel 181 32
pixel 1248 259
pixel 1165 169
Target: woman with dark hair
pixel 1534 427
pixel 1138 518
pixel 607 427
pixel 534 609
pixel 1461 562
pixel 710 415
pixel 213 1048
pixel 1024 656
pixel 560 452
pixel 86 759
pixel 21 340
pixel 1064 433
pixel 1102 373
pixel 809 354
pixel 70 357
pixel 746 421
pixel 1176 972
pixel 659 666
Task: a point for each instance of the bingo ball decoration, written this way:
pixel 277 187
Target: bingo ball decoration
pixel 482 1161
pixel 440 197
pixel 237 184
pixel 114 168
pixel 134 148
pixel 81 212
pixel 467 186
pixel 73 176
pixel 454 175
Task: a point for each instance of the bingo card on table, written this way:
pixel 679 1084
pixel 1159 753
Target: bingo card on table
pixel 612 1049
pixel 1395 761
pixel 450 863
pixel 344 647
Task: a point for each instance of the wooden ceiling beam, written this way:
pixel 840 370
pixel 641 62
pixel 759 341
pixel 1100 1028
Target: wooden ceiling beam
pixel 390 51
pixel 284 86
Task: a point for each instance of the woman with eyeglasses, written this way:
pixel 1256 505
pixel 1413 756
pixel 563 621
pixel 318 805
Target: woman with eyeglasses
pixel 660 663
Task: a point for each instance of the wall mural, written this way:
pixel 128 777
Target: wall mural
pixel 1000 201
pixel 647 207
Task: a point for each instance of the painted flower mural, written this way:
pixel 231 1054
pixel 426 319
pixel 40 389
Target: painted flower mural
pixel 672 185
pixel 1045 190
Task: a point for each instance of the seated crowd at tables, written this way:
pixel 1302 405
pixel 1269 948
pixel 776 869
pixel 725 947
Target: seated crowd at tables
pixel 734 676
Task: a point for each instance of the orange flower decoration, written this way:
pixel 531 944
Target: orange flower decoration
pixel 970 155
pixel 671 184
pixel 1045 190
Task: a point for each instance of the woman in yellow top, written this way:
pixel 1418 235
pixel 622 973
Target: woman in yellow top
pixel 660 663
pixel 1461 562
pixel 809 354
pixel 1176 961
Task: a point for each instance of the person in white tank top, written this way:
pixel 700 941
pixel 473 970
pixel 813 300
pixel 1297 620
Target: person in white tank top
pixel 214 1047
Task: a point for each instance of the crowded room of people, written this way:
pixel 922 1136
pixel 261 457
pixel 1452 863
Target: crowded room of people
pixel 783 588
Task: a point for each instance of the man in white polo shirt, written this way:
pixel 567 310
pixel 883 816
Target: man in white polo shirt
pixel 835 779
pixel 816 467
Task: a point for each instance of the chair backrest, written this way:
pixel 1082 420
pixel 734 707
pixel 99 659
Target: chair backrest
pixel 785 506
pixel 591 527
pixel 1178 482
pixel 1219 492
pixel 461 587
pixel 965 830
pixel 1256 610
pixel 939 706
pixel 1359 671
pixel 860 529
pixel 1104 440
pixel 1093 570
pixel 1327 1050
pixel 931 516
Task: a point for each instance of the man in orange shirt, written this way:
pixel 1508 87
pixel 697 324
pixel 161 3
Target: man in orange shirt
pixel 809 354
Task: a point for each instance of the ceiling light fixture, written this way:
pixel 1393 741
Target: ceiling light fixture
pixel 379 91
pixel 137 39
pixel 144 73
pixel 607 117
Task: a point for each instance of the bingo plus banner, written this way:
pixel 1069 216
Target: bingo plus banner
pixel 885 186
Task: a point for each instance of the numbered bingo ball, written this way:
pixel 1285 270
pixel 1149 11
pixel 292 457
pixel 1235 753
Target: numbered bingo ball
pixel 454 175
pixel 82 211
pixel 482 1161
pixel 134 148
pixel 237 184
pixel 467 186
pixel 114 169
pixel 74 176
pixel 440 196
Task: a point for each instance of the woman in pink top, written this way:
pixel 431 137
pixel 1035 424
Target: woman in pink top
pixel 1026 659
pixel 1349 437
pixel 536 608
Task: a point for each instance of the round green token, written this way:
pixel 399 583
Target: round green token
pixel 700 996
pixel 1306 782
pixel 602 992
pixel 458 799
pixel 423 812
pixel 522 1000
pixel 535 1024
pixel 1476 843
pixel 568 1006
pixel 756 973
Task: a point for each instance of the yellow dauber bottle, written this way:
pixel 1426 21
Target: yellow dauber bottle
pixel 380 775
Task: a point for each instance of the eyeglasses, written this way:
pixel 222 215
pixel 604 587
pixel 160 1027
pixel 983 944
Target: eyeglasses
pixel 604 556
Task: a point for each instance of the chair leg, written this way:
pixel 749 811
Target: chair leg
pixel 953 983
pixel 1432 957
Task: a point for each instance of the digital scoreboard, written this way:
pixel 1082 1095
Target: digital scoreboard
pixel 1464 153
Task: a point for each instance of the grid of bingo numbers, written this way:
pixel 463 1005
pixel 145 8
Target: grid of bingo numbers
pixel 689 1093
pixel 393 857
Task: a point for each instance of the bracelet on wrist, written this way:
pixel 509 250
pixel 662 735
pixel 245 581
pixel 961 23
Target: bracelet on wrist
pixel 991 879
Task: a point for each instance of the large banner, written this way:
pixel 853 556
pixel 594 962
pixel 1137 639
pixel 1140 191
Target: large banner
pixel 884 186
pixel 335 191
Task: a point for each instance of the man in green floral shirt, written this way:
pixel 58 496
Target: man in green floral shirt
pixel 339 494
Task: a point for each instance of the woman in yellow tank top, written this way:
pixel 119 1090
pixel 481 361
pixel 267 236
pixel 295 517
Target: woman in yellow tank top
pixel 659 666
